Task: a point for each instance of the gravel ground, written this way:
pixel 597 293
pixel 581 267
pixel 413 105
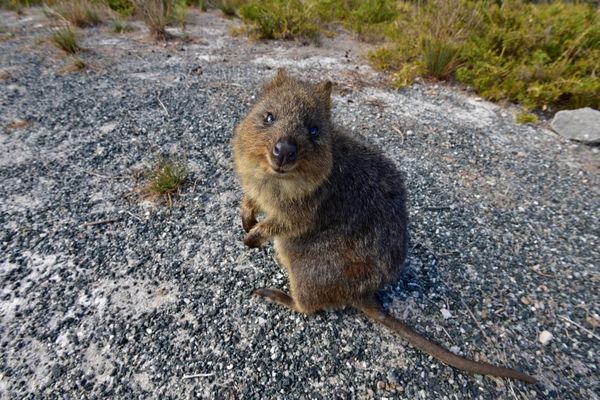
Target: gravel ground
pixel 504 232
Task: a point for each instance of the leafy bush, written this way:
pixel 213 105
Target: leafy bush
pixel 279 19
pixel 125 8
pixel 544 56
pixel 180 13
pixel 541 55
pixel 526 117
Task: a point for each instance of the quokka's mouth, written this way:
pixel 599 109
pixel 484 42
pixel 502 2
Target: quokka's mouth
pixel 281 171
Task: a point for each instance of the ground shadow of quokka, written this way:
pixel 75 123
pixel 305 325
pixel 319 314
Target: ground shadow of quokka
pixel 420 276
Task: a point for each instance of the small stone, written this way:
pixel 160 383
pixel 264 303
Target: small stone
pixel 455 349
pixel 4 75
pixel 582 124
pixel 107 128
pixel 380 385
pixel 545 337
pixel 446 313
pixel 18 123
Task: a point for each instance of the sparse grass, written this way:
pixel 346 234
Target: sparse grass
pixel 19 5
pixel 180 13
pixel 67 40
pixel 165 179
pixel 120 26
pixel 78 64
pixel 156 15
pixel 525 117
pixel 229 7
pixel 80 13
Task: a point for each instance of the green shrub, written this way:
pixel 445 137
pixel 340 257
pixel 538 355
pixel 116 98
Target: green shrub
pixel 279 19
pixel 525 117
pixel 18 5
pixel 229 7
pixel 543 56
pixel 180 13
pixel 125 8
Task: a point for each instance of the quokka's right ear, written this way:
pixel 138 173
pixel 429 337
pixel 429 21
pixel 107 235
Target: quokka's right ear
pixel 279 79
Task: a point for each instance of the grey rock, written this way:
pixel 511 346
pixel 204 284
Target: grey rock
pixel 582 124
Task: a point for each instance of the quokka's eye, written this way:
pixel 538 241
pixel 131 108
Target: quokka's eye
pixel 313 131
pixel 269 119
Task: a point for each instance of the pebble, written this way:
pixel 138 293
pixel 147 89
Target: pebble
pixel 545 337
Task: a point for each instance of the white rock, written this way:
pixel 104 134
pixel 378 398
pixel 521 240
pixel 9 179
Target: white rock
pixel 107 128
pixel 446 313
pixel 582 124
pixel 545 337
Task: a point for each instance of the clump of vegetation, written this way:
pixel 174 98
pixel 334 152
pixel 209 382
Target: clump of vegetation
pixel 426 40
pixel 229 7
pixel 180 14
pixel 541 55
pixel 279 19
pixel 289 19
pixel 78 64
pixel 525 117
pixel 120 26
pixel 156 15
pixel 165 179
pixel 125 8
pixel 80 13
pixel 67 40
pixel 19 5
pixel 544 56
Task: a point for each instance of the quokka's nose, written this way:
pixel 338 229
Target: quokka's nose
pixel 285 151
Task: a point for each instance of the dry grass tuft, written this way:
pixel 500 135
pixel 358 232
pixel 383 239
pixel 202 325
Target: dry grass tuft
pixel 66 39
pixel 156 15
pixel 80 13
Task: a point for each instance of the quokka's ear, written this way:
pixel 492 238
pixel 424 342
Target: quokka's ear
pixel 324 89
pixel 279 79
pixel 324 92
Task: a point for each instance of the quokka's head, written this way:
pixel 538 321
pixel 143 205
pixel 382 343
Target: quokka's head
pixel 287 135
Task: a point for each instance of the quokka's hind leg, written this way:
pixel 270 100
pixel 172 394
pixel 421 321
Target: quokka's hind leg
pixel 280 297
pixel 277 296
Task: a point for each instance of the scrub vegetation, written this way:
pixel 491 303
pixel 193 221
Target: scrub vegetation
pixel 542 55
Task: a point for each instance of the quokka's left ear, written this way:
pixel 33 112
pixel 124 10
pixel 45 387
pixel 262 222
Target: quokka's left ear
pixel 278 80
pixel 324 92
pixel 324 89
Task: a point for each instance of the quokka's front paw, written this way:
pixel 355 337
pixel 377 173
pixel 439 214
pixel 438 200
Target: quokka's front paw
pixel 248 222
pixel 254 238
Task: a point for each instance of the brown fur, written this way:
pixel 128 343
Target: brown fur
pixel 336 215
